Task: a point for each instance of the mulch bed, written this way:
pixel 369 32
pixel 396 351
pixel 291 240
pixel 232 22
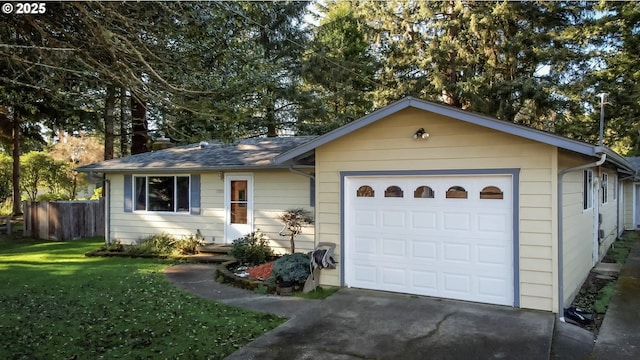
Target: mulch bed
pixel 261 272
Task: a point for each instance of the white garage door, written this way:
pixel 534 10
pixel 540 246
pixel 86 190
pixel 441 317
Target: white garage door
pixel 442 236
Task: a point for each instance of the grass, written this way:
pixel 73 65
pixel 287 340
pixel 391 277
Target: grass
pixel 319 293
pixel 603 298
pixel 56 303
pixel 620 249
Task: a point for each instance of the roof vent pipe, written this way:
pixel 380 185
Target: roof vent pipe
pixel 603 99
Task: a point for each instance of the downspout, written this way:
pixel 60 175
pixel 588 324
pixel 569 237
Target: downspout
pixel 107 210
pixel 313 178
pixel 561 173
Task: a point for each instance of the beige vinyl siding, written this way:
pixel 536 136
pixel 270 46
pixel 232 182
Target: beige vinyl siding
pixel 274 192
pixel 578 229
pixel 388 145
pixel 629 201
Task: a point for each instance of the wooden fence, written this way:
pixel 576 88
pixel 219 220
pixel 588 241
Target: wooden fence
pixel 63 220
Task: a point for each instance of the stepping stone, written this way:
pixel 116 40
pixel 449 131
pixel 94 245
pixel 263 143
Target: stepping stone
pixel 608 268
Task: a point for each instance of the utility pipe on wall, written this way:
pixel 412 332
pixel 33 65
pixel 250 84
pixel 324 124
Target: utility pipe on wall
pixel 561 173
pixel 106 188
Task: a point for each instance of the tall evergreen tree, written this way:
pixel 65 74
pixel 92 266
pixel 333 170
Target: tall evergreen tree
pixel 480 56
pixel 338 71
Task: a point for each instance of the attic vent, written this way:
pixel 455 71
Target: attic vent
pixel 203 144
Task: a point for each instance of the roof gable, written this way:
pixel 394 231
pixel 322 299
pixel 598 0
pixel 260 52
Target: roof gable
pixel 458 114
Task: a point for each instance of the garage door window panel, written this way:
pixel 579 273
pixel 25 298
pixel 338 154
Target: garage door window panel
pixel 424 192
pixel 491 192
pixel 394 191
pixel 365 191
pixel 457 192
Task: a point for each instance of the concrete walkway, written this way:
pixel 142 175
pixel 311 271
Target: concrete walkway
pixel 199 279
pixel 619 336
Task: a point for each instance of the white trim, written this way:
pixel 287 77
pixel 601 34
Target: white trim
pixel 234 231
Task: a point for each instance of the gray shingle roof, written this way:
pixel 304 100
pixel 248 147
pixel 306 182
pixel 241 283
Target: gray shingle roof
pixel 243 154
pixel 635 160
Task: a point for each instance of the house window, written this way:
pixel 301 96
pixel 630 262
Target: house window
pixel 161 193
pixel 587 185
pixel 615 187
pixel 605 188
pixel 456 192
pixel 424 192
pixel 393 191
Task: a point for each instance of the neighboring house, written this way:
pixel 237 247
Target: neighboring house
pixel 419 198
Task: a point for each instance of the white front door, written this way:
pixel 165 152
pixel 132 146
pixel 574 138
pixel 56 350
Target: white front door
pixel 238 202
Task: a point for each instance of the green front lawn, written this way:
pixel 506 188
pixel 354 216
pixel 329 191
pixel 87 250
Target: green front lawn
pixel 55 303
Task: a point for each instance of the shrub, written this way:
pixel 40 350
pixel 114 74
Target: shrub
pixel 251 249
pixel 292 268
pixel 53 197
pixel 162 243
pixel 6 207
pixel 114 246
pixel 188 244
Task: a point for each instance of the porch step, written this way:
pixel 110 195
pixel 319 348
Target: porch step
pixel 215 249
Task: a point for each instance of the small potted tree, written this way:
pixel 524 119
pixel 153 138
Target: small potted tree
pixel 294 220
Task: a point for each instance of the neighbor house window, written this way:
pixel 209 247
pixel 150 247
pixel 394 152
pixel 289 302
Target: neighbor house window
pixel 161 193
pixel 605 188
pixel 587 185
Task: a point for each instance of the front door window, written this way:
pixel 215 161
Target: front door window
pixel 239 202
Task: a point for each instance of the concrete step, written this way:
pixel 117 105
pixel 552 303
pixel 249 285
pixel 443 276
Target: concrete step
pixel 210 258
pixel 214 249
pixel 609 269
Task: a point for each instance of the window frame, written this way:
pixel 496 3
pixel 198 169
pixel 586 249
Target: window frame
pixel 587 189
pixel 177 199
pixel 605 188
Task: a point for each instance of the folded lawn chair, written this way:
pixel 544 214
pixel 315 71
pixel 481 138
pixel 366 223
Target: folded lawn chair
pixel 321 258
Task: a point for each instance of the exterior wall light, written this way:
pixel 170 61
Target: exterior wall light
pixel 421 134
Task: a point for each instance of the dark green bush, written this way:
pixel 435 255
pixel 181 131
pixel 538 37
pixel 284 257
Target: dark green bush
pixel 292 268
pixel 251 249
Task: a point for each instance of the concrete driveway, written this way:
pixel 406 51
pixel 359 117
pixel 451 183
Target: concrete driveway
pixel 361 324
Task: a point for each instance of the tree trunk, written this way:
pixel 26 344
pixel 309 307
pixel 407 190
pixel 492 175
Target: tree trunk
pixel 272 127
pixel 124 136
pixel 109 119
pixel 139 126
pixel 17 209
